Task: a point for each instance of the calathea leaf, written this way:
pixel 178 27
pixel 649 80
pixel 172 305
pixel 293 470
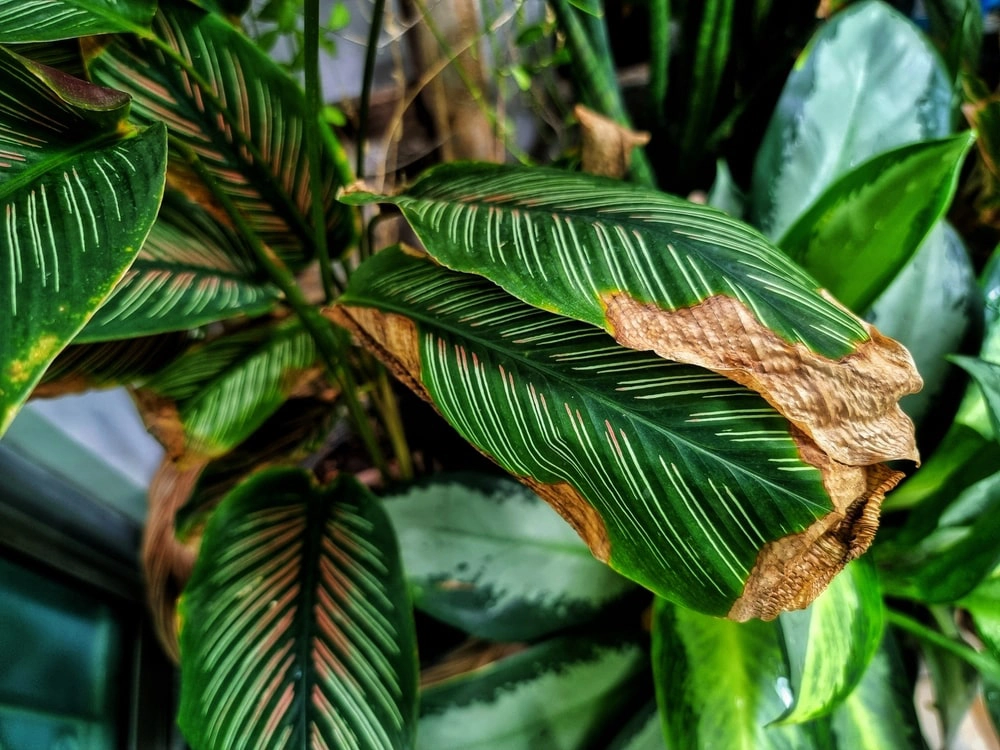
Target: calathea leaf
pixel 485 554
pixel 679 478
pixel 238 112
pixel 47 20
pixel 683 280
pixel 191 271
pixel 643 732
pixel 296 626
pixel 79 190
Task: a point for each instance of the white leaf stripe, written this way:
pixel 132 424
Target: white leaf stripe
pixel 47 20
pixel 564 407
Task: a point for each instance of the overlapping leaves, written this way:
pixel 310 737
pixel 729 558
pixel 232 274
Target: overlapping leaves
pixel 47 20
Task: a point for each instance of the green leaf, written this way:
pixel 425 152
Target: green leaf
pixel 561 694
pixel 190 272
pixel 673 475
pixel 296 627
pixel 868 224
pixel 879 713
pixel 227 388
pixel 987 377
pixel 830 644
pixel 831 117
pixel 725 194
pixel 721 684
pixel 957 26
pixel 47 20
pixel 226 101
pixel 643 732
pixel 683 280
pixel 79 197
pixel 486 555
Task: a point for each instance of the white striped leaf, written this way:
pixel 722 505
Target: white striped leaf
pixel 191 271
pixel 48 20
pixel 79 190
pixel 868 224
pixel 224 390
pixel 241 115
pixel 679 478
pixel 563 693
pixel 831 118
pixel 686 281
pixel 486 555
pixel 830 644
pixel 296 630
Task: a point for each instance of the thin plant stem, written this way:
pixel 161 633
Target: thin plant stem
pixel 393 423
pixel 659 57
pixel 986 666
pixel 378 12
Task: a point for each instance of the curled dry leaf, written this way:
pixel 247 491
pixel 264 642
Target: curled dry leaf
pixel 607 146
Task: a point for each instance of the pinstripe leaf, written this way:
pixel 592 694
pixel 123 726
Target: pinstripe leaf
pixel 685 281
pixel 47 20
pixel 679 478
pixel 218 394
pixel 79 191
pixel 191 271
pixel 244 118
pixel 296 630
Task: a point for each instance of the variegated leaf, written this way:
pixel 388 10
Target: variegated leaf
pixel 242 116
pixel 683 280
pixel 79 190
pixel 47 20
pixel 191 271
pixel 296 627
pixel 679 478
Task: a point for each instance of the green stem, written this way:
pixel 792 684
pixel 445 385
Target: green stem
pixel 659 57
pixel 389 411
pixel 319 328
pixel 312 136
pixel 986 666
pixel 602 93
pixel 378 10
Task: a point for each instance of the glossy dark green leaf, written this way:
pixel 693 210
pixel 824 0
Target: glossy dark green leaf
pixel 487 555
pixel 721 684
pixel 830 644
pixel 191 271
pixel 957 26
pixel 79 191
pixel 865 227
pixel 296 626
pixel 46 20
pixel 232 106
pixel 562 693
pixel 227 388
pixel 831 117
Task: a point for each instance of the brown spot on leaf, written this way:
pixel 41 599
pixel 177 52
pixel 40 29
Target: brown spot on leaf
pixel 792 571
pixel 577 512
pixel 162 420
pixel 607 146
pixel 848 406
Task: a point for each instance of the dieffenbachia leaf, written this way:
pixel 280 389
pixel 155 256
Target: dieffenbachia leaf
pixel 865 227
pixel 830 118
pixel 562 693
pixel 226 101
pixel 643 732
pixel 879 713
pixel 683 280
pixel 215 396
pixel 79 190
pixel 48 20
pixel 486 555
pixel 722 684
pixel 190 272
pixel 296 628
pixel 830 644
pixel 679 478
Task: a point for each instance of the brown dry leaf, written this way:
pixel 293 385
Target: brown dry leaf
pixel 471 655
pixel 607 146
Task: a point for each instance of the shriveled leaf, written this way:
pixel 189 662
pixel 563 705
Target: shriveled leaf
pixel 831 117
pixel 683 280
pixel 722 684
pixel 218 394
pixel 485 554
pixel 879 714
pixel 680 479
pixel 78 193
pixel 296 626
pixel 47 20
pixel 830 644
pixel 190 272
pixel 867 225
pixel 563 694
pixel 643 732
pixel 244 118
